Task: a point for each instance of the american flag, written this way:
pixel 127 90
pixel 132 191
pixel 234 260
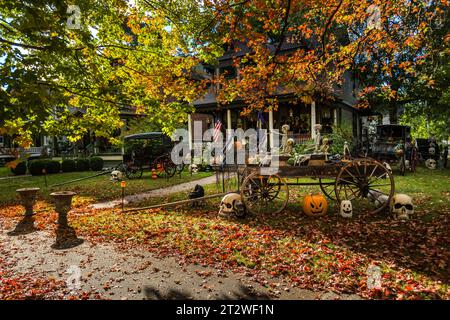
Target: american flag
pixel 217 128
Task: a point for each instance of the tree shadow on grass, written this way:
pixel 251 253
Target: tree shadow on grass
pixel 23 227
pixel 66 238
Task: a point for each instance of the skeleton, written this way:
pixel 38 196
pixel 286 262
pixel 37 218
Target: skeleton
pixel 346 209
pixel 232 206
pixel 378 197
pixel 289 146
pixel 431 164
pixel 402 206
pixel 116 175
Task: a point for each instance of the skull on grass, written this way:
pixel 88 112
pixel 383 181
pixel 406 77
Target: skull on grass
pixel 232 206
pixel 431 164
pixel 402 206
pixel 194 168
pixel 116 175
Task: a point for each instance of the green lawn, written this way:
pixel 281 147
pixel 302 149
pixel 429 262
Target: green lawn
pixel 96 189
pixel 327 253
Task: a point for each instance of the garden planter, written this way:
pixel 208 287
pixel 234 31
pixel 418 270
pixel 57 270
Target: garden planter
pixel 63 204
pixel 28 199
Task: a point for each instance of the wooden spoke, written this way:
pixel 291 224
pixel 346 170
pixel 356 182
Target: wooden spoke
pixel 264 194
pixel 367 191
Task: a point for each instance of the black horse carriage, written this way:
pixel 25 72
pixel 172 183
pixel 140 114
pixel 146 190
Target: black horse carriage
pixel 392 144
pixel 148 151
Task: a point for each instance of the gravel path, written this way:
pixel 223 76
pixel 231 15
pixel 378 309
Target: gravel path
pixel 182 187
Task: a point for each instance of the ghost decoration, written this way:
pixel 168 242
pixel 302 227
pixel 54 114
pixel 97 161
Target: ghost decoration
pixel 378 197
pixel 346 210
pixel 231 206
pixel 116 176
pixel 402 206
pixel 388 167
pixel 431 164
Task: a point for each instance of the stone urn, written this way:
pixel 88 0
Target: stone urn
pixel 28 199
pixel 63 204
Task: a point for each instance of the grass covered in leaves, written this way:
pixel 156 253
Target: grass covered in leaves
pixel 91 190
pixel 326 253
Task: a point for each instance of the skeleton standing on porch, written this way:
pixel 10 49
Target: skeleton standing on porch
pixel 317 137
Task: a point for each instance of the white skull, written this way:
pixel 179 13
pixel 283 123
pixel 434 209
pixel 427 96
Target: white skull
pixel 346 209
pixel 431 164
pixel 402 206
pixel 116 175
pixel 407 165
pixel 194 168
pixel 432 150
pixel 231 205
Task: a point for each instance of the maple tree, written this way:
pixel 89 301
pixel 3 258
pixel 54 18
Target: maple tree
pixel 144 57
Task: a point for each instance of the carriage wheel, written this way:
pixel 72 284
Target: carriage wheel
pixel 134 172
pixel 264 194
pixel 327 187
pixel 367 182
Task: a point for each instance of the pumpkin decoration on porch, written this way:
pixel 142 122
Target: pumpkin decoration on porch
pixel 315 205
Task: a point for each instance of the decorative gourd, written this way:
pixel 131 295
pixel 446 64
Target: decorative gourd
pixel 315 205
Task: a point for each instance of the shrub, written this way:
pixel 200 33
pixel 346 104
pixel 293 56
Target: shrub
pixel 36 166
pixel 82 164
pixel 68 165
pixel 20 169
pixel 96 163
pixel 53 166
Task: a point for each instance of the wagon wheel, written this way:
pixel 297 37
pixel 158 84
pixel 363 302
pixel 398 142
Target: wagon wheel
pixel 134 171
pixel 264 194
pixel 327 187
pixel 367 182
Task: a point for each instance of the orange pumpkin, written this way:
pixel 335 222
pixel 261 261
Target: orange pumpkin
pixel 315 205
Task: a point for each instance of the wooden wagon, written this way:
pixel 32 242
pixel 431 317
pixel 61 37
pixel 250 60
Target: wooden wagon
pixel 366 181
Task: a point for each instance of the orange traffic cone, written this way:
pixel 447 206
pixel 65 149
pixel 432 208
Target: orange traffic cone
pixel 154 176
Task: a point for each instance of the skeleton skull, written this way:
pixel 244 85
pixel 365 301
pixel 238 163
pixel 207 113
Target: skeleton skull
pixel 231 206
pixel 432 150
pixel 116 175
pixel 194 168
pixel 402 206
pixel 346 209
pixel 431 164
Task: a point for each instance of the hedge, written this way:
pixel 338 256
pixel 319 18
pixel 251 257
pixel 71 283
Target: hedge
pixel 20 169
pixel 96 163
pixel 68 165
pixel 51 166
pixel 82 164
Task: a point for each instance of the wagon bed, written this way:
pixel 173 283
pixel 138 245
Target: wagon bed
pixel 265 189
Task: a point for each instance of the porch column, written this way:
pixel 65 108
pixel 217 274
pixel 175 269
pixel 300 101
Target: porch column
pixel 190 130
pixel 313 119
pixel 335 113
pixel 228 119
pixel 271 129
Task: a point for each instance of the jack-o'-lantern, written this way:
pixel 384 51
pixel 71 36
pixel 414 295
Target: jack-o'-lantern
pixel 315 205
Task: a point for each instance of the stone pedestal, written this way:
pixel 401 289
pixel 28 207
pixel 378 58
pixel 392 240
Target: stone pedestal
pixel 28 199
pixel 63 204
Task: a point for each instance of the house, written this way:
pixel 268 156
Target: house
pixel 301 117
